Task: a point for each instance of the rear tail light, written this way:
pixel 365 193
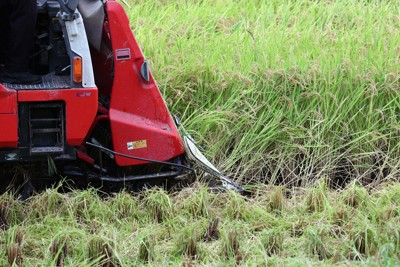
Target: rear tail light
pixel 77 69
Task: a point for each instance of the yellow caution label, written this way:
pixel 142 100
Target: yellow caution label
pixel 137 144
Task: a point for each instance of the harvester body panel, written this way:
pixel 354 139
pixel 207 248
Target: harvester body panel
pixel 141 124
pixel 8 118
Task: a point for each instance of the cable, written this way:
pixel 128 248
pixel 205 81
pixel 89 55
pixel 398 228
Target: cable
pixel 138 158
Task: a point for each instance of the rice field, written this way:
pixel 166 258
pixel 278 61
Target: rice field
pixel 297 100
pixel 282 92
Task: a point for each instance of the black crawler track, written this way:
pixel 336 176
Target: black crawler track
pixel 27 179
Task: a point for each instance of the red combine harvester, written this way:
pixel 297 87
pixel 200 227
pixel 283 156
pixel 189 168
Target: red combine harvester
pixel 98 116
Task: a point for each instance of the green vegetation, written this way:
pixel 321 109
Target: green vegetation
pixel 281 91
pixel 304 94
pixel 195 227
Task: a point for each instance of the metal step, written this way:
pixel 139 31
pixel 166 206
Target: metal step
pixel 49 82
pixel 47 130
pixel 44 120
pixel 46 150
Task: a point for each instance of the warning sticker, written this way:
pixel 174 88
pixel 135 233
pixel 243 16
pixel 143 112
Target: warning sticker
pixel 137 144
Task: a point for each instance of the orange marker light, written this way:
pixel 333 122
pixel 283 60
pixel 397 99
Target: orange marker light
pixel 77 69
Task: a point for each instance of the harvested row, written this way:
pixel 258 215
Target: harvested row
pixel 354 226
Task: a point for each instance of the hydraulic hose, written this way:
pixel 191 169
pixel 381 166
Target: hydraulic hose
pixel 139 158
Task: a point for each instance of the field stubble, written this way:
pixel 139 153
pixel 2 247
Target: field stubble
pixel 196 227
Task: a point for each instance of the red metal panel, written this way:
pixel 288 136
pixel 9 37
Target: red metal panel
pixel 8 118
pixel 9 130
pixel 141 124
pixel 80 105
pixel 8 100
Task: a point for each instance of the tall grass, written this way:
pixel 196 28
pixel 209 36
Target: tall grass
pixel 281 91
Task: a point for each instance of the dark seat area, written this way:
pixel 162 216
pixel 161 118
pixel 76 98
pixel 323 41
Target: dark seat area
pixel 50 57
pixel 40 4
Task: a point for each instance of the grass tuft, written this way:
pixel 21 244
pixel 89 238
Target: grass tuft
pixel 14 254
pixel 191 248
pixel 146 249
pixel 272 241
pixel 4 220
pixel 158 203
pixel 235 205
pixel 100 252
pixel 277 199
pixel 355 195
pixel 364 239
pixel 59 250
pixel 187 243
pixel 15 244
pixel 124 206
pixel 316 198
pixel 340 215
pixel 316 242
pixel 212 232
pixel 231 246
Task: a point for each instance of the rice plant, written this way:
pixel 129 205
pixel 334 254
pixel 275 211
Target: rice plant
pixel 281 92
